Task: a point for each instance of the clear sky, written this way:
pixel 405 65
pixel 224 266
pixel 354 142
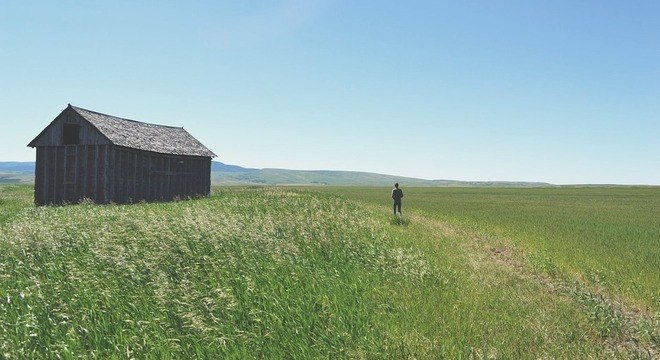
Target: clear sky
pixel 555 91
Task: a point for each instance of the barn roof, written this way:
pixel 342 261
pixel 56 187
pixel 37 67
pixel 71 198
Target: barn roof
pixel 145 136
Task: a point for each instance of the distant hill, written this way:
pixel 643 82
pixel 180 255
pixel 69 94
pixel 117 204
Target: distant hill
pixel 16 172
pixel 217 166
pixel 346 178
pixel 23 172
pixel 17 166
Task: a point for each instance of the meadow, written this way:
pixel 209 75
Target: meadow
pixel 607 236
pixel 329 273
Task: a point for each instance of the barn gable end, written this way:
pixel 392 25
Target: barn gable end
pixel 84 154
pixel 53 134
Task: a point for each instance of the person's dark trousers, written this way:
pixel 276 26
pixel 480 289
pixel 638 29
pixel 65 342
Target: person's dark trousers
pixel 397 205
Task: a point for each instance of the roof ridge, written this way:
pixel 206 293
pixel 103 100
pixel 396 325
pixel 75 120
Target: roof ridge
pixel 124 119
pixel 143 136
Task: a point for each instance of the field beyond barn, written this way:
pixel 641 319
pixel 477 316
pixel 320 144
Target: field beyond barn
pixel 327 272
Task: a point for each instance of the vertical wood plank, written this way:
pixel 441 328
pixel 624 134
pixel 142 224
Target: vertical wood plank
pixel 91 171
pixel 109 178
pixel 95 177
pixel 186 177
pixel 46 166
pixel 52 154
pixel 76 186
pixel 116 181
pixel 147 175
pixel 168 178
pixel 136 197
pixel 65 173
pixel 56 166
pixel 85 170
pixel 61 175
pixel 162 178
pixel 119 179
pixel 136 176
pixel 105 184
pixel 98 181
pixel 38 177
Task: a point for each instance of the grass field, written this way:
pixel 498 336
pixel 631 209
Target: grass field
pixel 599 246
pixel 296 273
pixel 609 237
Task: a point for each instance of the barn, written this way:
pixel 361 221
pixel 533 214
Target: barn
pixel 84 154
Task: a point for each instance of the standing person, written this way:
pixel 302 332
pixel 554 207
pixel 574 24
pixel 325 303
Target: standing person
pixel 397 194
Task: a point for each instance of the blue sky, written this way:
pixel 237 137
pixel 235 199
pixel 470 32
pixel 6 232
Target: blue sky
pixel 561 91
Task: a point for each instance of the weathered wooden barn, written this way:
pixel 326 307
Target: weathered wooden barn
pixel 84 154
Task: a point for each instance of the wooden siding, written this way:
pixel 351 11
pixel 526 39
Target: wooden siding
pixel 142 175
pixel 68 174
pixel 109 173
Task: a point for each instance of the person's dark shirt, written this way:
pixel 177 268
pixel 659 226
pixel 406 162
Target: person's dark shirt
pixel 397 194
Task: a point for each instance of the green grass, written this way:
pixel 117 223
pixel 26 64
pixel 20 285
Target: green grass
pixel 607 236
pixel 287 273
pixel 596 246
pixel 13 199
pixel 259 273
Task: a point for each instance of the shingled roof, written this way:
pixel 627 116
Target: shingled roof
pixel 144 136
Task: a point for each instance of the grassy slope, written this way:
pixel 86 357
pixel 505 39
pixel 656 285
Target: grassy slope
pixel 267 272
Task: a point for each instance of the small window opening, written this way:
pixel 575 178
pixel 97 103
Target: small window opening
pixel 71 134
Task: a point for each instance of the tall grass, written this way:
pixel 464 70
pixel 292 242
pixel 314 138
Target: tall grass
pixel 13 198
pixel 255 273
pixel 264 272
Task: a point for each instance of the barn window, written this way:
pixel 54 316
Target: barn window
pixel 71 134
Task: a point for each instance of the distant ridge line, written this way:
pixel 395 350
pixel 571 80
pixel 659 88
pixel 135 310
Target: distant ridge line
pixel 226 174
